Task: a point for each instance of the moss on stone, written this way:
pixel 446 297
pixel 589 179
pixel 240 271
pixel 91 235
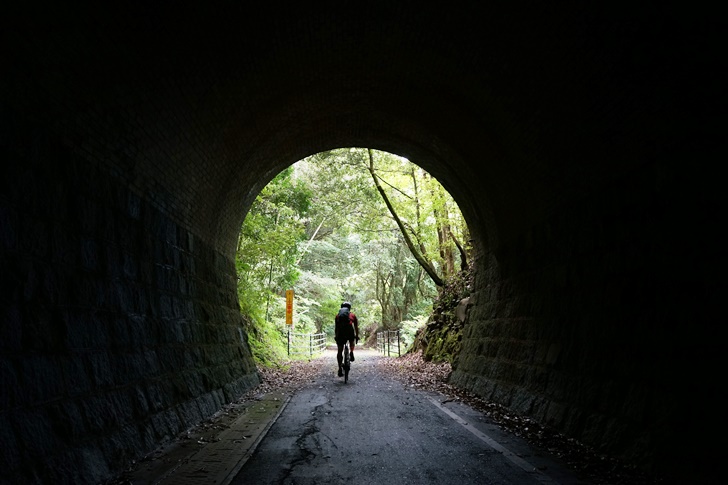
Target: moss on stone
pixel 440 340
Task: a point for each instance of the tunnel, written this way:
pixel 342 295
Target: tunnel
pixel 580 143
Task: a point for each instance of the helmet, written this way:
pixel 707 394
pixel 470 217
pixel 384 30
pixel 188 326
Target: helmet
pixel 346 304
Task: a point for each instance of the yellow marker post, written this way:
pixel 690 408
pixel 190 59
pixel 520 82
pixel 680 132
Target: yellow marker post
pixel 289 307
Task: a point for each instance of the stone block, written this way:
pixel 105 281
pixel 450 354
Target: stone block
pixel 98 413
pixel 98 367
pixel 164 424
pixel 522 401
pixel 139 404
pixel 34 435
pixel 9 227
pixel 207 405
pixel 67 420
pixel 122 403
pixel 40 378
pixel 11 330
pixel 34 238
pixel 10 396
pixel 10 457
pixel 501 394
pixel 93 465
pixel 189 413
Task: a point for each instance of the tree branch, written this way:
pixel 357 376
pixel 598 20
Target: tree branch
pixel 425 265
pixel 463 256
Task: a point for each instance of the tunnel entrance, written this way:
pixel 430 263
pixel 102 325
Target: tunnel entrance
pixel 356 225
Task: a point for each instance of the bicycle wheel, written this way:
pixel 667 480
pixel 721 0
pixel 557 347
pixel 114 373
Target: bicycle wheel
pixel 347 364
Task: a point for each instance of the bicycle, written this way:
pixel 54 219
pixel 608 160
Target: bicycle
pixel 346 365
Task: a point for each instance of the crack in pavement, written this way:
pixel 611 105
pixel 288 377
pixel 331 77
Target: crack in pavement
pixel 304 453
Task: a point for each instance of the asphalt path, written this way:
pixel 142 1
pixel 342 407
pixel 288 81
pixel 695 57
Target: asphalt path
pixel 376 430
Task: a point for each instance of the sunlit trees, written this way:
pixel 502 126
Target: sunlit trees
pixel 266 254
pixel 349 224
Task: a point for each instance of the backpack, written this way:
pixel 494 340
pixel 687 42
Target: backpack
pixel 342 320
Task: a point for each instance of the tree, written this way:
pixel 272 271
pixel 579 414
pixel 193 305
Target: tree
pixel 417 254
pixel 323 227
pixel 266 254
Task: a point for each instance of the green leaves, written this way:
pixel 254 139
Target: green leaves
pixel 322 228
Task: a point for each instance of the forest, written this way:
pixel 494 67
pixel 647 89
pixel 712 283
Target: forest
pixel 350 224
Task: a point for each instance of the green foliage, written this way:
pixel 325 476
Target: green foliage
pixel 430 217
pixel 268 344
pixel 409 329
pixel 268 248
pixel 266 260
pixel 456 288
pixel 322 301
pixel 321 228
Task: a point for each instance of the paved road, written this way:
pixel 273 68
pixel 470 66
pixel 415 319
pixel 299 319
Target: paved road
pixel 376 430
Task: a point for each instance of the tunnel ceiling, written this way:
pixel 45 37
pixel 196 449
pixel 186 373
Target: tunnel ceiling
pixel 201 108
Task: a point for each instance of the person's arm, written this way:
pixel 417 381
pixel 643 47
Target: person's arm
pixel 356 327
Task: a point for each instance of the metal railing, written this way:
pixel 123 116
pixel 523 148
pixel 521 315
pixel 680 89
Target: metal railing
pixel 306 343
pixel 388 342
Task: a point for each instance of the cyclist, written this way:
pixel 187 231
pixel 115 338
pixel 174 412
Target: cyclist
pixel 346 327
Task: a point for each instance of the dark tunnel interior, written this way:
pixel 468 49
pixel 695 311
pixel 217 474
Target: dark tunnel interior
pixel 580 142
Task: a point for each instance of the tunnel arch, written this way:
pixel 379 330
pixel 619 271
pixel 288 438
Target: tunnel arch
pixel 576 141
pixel 376 127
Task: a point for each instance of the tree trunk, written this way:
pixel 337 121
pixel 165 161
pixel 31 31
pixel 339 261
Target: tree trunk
pixel 415 253
pixel 463 255
pixel 442 224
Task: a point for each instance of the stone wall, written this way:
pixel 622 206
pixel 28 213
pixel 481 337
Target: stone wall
pixel 120 329
pixel 581 323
